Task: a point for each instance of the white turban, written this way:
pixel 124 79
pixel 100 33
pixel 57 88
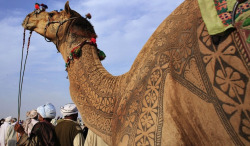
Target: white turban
pixel 47 111
pixel 69 109
pixel 8 119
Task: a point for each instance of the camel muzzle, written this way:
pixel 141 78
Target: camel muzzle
pixel 28 25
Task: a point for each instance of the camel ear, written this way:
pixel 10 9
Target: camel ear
pixel 67 8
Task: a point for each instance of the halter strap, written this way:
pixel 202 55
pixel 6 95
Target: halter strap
pixel 60 23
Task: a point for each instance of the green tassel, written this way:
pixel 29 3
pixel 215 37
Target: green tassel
pixel 246 22
pixel 101 55
pixel 67 64
pixel 77 52
pixel 248 39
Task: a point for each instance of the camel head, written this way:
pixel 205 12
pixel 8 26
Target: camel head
pixel 55 25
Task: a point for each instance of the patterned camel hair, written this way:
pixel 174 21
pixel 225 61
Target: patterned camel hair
pixel 182 88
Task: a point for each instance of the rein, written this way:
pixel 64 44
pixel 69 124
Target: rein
pixel 60 24
pixel 22 70
pixel 236 5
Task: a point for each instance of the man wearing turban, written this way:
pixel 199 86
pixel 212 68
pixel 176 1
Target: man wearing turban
pixel 43 132
pixel 30 122
pixel 68 131
pixel 10 136
pixel 3 130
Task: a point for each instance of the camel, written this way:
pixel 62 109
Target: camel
pixel 182 89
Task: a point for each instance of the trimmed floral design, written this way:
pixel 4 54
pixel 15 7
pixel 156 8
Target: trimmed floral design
pixel 206 38
pixel 146 135
pixel 129 121
pixel 177 59
pixel 131 117
pixel 234 111
pixel 161 41
pixel 122 114
pixel 230 81
pixel 146 129
pixel 106 105
pixel 155 76
pixel 169 25
pixel 147 121
pixel 246 127
pixel 151 97
pixel 186 44
pixel 133 107
pixel 223 71
pixel 164 60
pixel 143 142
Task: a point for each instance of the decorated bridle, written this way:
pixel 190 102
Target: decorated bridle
pixel 44 7
pixel 51 22
pixel 60 24
pixel 76 51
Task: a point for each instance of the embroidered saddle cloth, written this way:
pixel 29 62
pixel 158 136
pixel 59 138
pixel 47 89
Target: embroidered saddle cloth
pixel 217 14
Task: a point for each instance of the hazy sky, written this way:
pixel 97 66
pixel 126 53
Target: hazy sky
pixel 122 26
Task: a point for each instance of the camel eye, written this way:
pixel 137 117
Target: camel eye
pixel 51 15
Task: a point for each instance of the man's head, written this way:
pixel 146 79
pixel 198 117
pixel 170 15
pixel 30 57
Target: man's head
pixel 8 119
pixel 2 121
pixel 46 112
pixel 32 114
pixel 13 120
pixel 69 111
pixel 72 117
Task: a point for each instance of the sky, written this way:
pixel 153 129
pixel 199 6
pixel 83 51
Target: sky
pixel 122 26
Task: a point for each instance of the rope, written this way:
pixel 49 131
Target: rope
pixel 22 70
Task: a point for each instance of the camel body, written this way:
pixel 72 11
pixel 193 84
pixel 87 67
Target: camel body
pixel 181 89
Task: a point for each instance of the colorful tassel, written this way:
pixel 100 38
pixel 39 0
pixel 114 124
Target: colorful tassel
pixel 37 6
pixel 93 41
pixel 88 16
pixel 77 51
pixel 101 54
pixel 44 7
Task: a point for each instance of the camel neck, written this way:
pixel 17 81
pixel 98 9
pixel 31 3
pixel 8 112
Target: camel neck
pixel 92 88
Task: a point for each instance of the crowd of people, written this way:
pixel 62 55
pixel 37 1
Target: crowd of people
pixel 42 128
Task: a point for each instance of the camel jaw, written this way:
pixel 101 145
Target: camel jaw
pixel 29 27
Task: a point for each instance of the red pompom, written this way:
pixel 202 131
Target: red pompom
pixel 93 41
pixel 37 6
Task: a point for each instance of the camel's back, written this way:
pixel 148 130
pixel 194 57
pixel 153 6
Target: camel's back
pixel 195 93
pixel 205 87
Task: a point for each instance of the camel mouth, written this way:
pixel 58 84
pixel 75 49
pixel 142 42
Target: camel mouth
pixel 28 25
